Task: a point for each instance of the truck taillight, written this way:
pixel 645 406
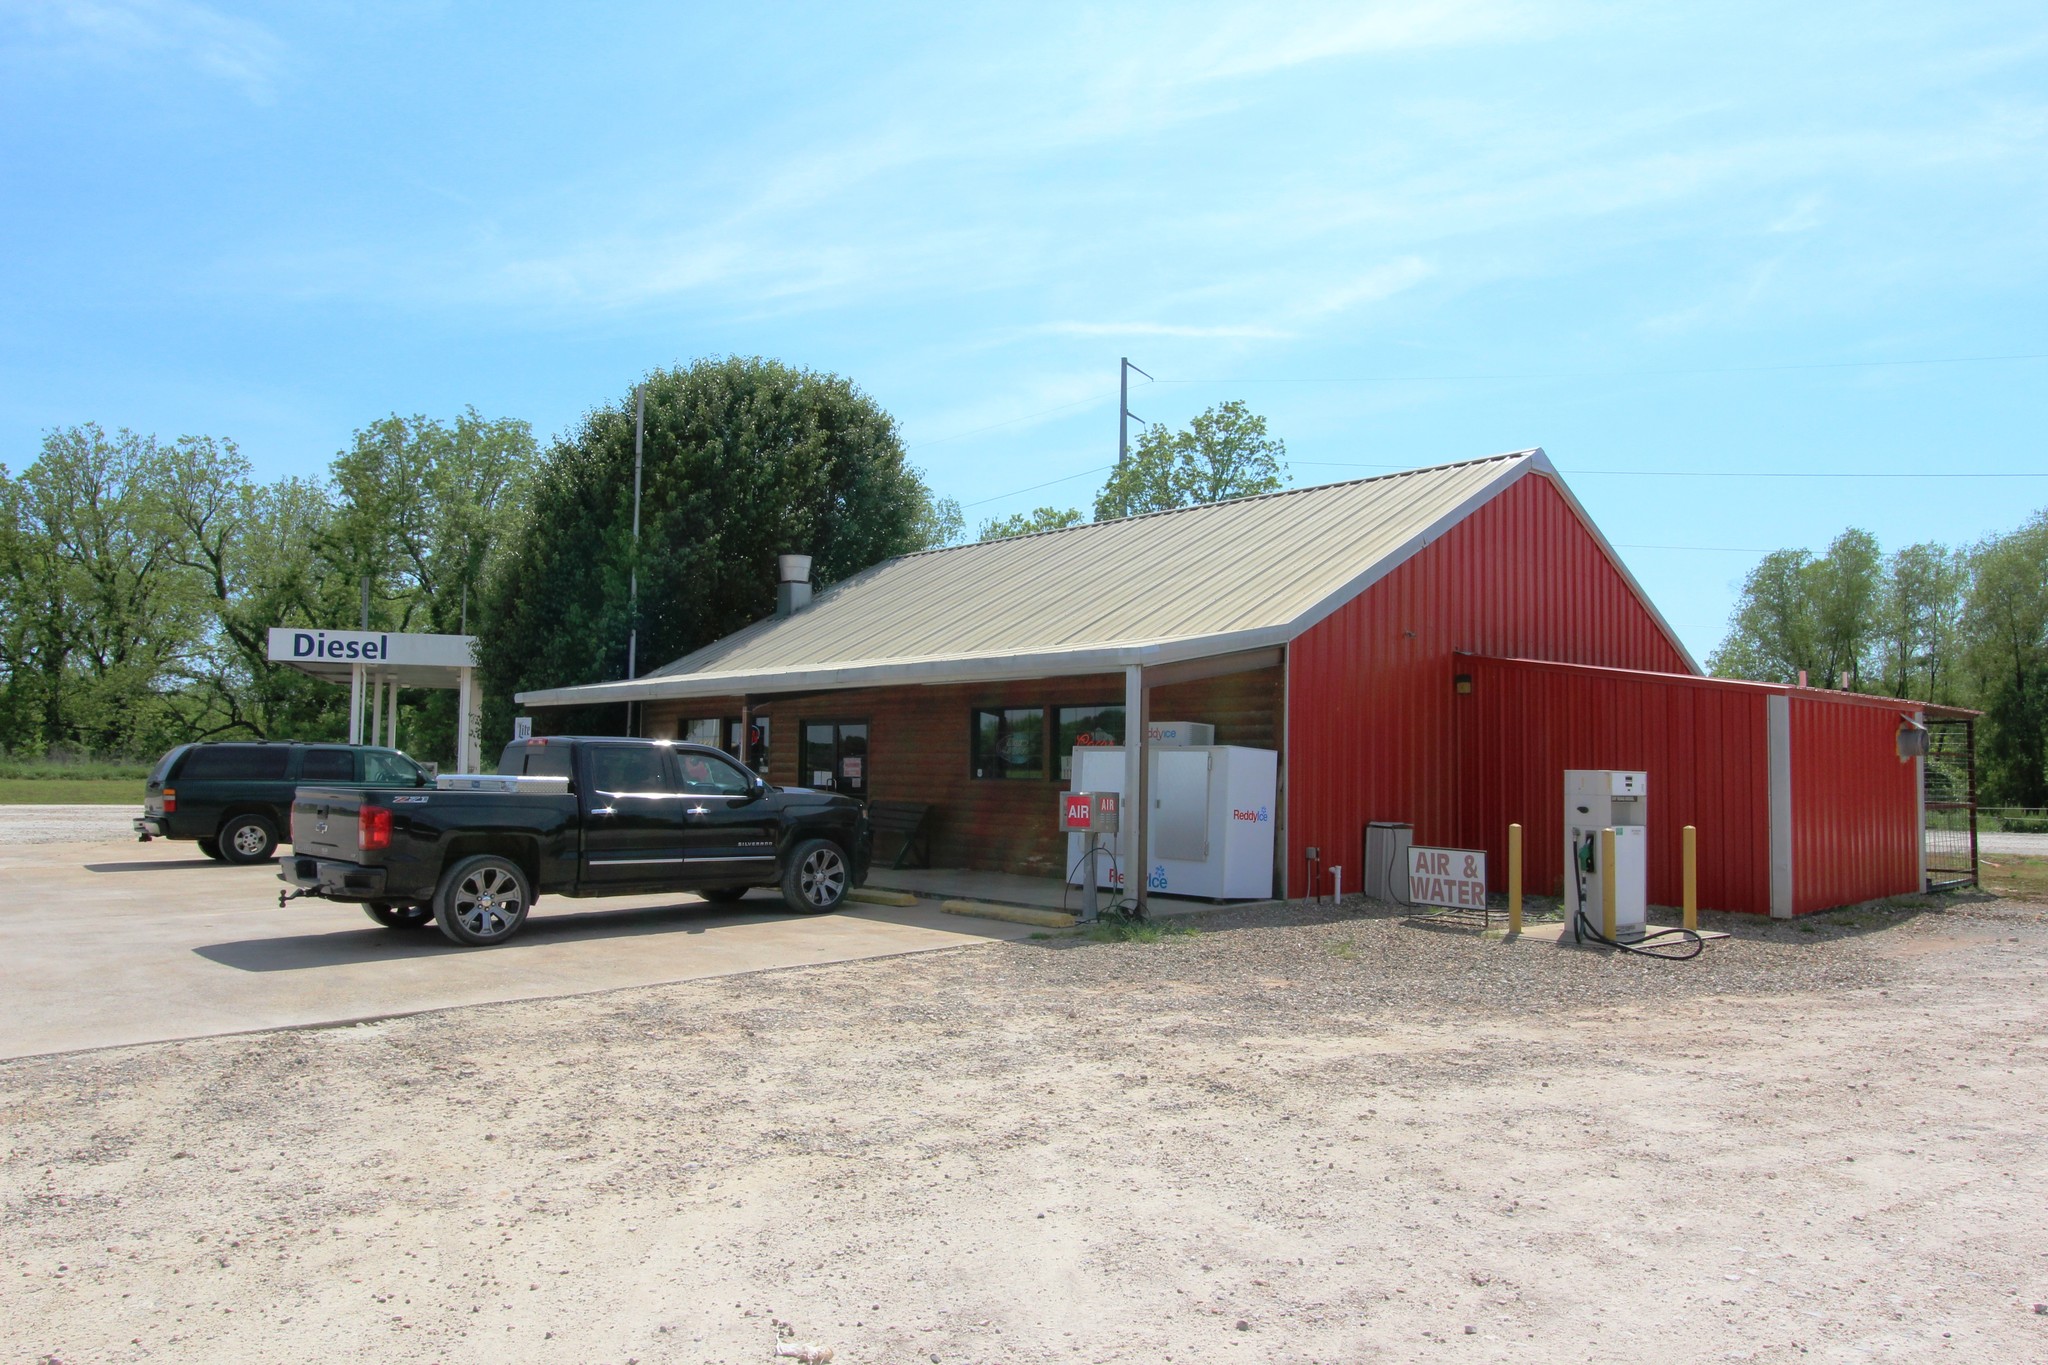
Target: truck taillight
pixel 373 828
pixel 170 801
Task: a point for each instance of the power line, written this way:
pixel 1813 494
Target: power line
pixel 1626 374
pixel 1017 492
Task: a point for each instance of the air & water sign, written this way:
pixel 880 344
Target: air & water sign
pixel 1454 878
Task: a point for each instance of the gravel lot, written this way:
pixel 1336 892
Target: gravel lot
pixel 1301 1135
pixel 67 824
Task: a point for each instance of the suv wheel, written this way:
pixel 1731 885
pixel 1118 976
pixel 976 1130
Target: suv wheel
pixel 817 877
pixel 482 900
pixel 247 839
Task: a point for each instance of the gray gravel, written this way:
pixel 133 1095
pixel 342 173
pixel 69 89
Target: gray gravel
pixel 1301 1134
pixel 67 824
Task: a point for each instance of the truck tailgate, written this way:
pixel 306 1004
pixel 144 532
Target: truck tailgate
pixel 324 822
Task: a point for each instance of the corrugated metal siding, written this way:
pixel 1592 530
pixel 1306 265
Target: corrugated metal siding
pixel 1702 742
pixel 1370 733
pixel 1855 810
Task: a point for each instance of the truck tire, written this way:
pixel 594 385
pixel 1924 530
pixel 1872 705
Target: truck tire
pixel 817 877
pixel 393 916
pixel 247 838
pixel 482 900
pixel 724 895
pixel 211 848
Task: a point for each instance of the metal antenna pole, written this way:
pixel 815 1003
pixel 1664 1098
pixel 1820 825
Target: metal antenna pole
pixel 633 571
pixel 1124 415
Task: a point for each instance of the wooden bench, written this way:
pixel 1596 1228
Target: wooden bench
pixel 909 819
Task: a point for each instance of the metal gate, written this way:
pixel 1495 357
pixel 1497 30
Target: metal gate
pixel 1951 803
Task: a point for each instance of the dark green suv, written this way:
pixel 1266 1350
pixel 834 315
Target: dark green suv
pixel 236 799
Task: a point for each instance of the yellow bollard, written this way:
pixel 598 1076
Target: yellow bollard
pixel 1607 883
pixel 1692 877
pixel 1514 879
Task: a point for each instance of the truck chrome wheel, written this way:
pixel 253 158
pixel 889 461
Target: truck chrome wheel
pixel 817 878
pixel 482 900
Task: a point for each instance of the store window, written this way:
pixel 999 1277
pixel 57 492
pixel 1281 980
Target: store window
pixel 1088 727
pixel 1010 743
pixel 704 732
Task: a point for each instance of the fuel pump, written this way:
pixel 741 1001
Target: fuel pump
pixel 1596 801
pixel 1607 847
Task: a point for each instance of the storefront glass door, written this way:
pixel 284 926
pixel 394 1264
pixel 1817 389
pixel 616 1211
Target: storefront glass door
pixel 835 757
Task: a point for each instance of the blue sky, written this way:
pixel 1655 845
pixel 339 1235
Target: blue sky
pixel 1737 240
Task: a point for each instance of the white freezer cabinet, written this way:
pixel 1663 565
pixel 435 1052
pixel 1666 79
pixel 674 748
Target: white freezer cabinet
pixel 1210 826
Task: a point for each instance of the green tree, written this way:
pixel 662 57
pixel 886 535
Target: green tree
pixel 1224 453
pixel 1029 523
pixel 1920 617
pixel 1798 611
pixel 2007 628
pixel 95 570
pixel 744 459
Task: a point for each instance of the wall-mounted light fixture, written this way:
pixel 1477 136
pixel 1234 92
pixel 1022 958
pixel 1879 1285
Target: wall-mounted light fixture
pixel 1463 682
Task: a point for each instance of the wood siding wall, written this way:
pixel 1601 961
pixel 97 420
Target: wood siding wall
pixel 919 750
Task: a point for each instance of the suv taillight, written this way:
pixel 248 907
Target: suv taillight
pixel 373 828
pixel 170 801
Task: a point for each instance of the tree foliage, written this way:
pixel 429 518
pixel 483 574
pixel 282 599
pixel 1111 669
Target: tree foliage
pixel 1966 627
pixel 1030 523
pixel 139 579
pixel 1225 452
pixel 2007 630
pixel 743 459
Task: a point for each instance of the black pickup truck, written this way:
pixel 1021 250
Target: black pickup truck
pixel 582 817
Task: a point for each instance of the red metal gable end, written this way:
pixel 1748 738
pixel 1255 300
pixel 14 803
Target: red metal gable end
pixel 1370 732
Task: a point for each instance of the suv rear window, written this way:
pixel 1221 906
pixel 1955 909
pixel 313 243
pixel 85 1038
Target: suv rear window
pixel 236 763
pixel 162 769
pixel 328 765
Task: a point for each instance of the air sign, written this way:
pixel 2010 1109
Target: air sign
pixel 1454 878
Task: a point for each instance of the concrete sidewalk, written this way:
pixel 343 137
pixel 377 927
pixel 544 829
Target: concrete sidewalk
pixel 103 944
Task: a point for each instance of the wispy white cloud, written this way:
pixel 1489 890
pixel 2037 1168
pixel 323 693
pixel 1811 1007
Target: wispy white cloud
pixel 1161 329
pixel 184 32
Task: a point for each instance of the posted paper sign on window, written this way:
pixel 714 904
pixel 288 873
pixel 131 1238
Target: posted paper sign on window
pixel 1451 877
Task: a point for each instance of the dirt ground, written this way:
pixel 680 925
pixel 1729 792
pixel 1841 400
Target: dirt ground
pixel 1300 1135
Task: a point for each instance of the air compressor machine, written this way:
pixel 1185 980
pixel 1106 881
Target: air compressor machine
pixel 1594 801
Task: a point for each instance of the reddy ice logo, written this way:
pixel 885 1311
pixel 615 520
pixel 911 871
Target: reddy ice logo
pixel 1251 817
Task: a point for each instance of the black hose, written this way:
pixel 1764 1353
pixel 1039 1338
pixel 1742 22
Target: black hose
pixel 1668 952
pixel 1119 904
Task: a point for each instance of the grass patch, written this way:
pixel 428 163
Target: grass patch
pixel 1344 948
pixel 71 791
pixel 2014 875
pixel 1123 929
pixel 65 769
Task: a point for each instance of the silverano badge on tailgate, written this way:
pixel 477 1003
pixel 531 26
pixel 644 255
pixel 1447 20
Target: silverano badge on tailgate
pixel 407 800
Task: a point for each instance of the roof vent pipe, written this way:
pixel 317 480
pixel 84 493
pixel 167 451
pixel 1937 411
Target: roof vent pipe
pixel 792 584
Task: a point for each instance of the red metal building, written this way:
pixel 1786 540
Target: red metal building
pixel 1435 647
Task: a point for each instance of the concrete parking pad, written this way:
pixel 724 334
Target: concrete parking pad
pixel 111 943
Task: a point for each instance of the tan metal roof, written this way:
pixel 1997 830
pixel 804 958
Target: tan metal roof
pixel 1153 589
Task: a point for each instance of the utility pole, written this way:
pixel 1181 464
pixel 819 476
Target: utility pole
pixel 1124 415
pixel 633 570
